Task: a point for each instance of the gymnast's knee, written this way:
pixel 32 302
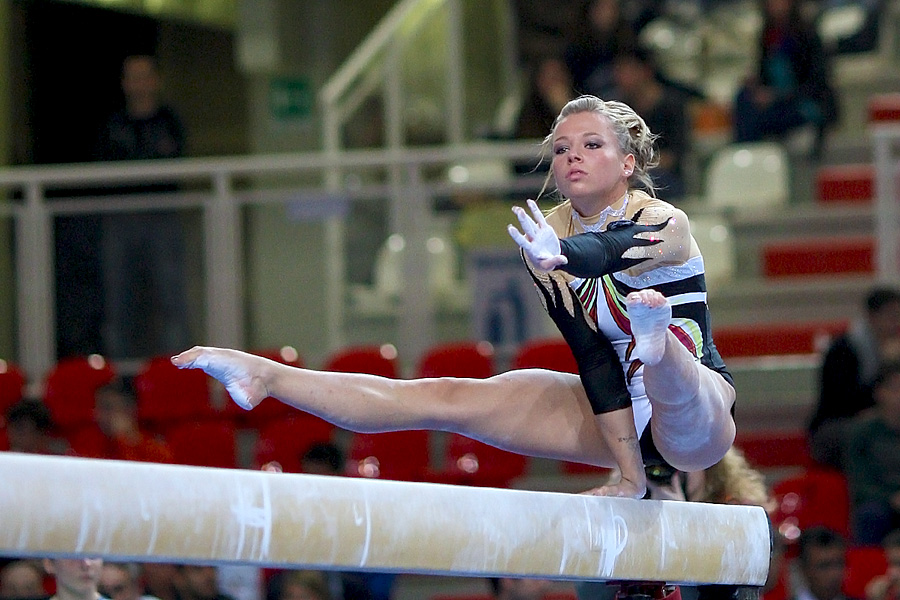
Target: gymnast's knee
pixel 696 450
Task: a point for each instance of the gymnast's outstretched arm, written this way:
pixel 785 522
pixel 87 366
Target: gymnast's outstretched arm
pixel 535 412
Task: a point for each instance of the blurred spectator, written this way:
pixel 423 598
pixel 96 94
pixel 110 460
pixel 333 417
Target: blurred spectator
pixel 792 86
pixel 146 309
pixel 121 581
pixel 873 461
pixel 302 585
pixel 601 34
pixel 76 578
pixel 849 367
pixel 201 582
pixel 887 586
pixel 22 580
pixel 509 588
pixel 163 580
pixel 663 108
pixel 117 434
pixel 822 565
pixel 323 458
pixel 29 428
pixel 286 585
pixel 549 88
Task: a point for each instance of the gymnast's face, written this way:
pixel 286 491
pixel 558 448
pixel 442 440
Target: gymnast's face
pixel 589 167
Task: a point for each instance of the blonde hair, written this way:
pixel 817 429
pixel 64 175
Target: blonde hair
pixel 733 481
pixel 631 131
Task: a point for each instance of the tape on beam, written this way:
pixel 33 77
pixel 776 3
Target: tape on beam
pixel 64 506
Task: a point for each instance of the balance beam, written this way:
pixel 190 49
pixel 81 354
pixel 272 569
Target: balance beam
pixel 67 507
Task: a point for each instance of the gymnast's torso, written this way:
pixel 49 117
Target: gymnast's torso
pixel 674 267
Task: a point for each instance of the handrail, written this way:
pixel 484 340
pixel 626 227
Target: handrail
pixel 383 34
pixel 219 199
pixel 184 168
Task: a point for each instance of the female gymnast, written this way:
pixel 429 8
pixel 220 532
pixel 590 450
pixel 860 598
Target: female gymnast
pixel 622 278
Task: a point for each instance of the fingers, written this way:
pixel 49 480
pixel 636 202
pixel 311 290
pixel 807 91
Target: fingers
pixel 529 227
pixel 551 263
pixel 538 215
pixel 517 237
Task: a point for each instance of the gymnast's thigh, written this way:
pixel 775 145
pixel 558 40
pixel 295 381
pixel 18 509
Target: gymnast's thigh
pixel 544 413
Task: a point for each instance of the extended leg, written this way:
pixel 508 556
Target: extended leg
pixel 692 422
pixel 532 411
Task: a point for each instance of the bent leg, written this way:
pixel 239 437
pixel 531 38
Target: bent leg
pixel 532 411
pixel 692 424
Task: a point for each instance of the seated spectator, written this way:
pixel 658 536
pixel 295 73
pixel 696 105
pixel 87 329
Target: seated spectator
pixel 509 588
pixel 663 108
pixel 288 584
pixel 29 426
pixel 822 563
pixel 602 33
pixel 22 580
pixel 117 434
pixel 162 580
pixel 121 581
pixel 301 585
pixel 873 462
pixel 792 84
pixel 76 578
pixel 201 582
pixel 887 586
pixel 323 458
pixel 849 367
pixel 549 88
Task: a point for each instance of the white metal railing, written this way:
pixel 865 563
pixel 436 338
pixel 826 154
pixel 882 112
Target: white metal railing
pixel 377 61
pixel 378 64
pixel 886 146
pixel 223 234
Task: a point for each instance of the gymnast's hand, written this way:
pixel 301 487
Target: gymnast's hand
pixel 236 370
pixel 540 242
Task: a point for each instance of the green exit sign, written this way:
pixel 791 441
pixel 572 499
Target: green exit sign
pixel 291 98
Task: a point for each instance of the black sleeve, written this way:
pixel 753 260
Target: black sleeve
pixel 598 364
pixel 599 253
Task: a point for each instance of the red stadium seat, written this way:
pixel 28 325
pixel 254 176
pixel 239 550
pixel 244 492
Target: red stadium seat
pixel 269 409
pixel 204 444
pixel 551 353
pixel 168 396
pixel 70 389
pixel 768 339
pixel 12 385
pixel 374 360
pixel 818 257
pixel 399 455
pixel 766 449
pixel 470 462
pixel 457 359
pixel 863 563
pixel 286 440
pixel 816 497
pixel 845 183
pixel 884 108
